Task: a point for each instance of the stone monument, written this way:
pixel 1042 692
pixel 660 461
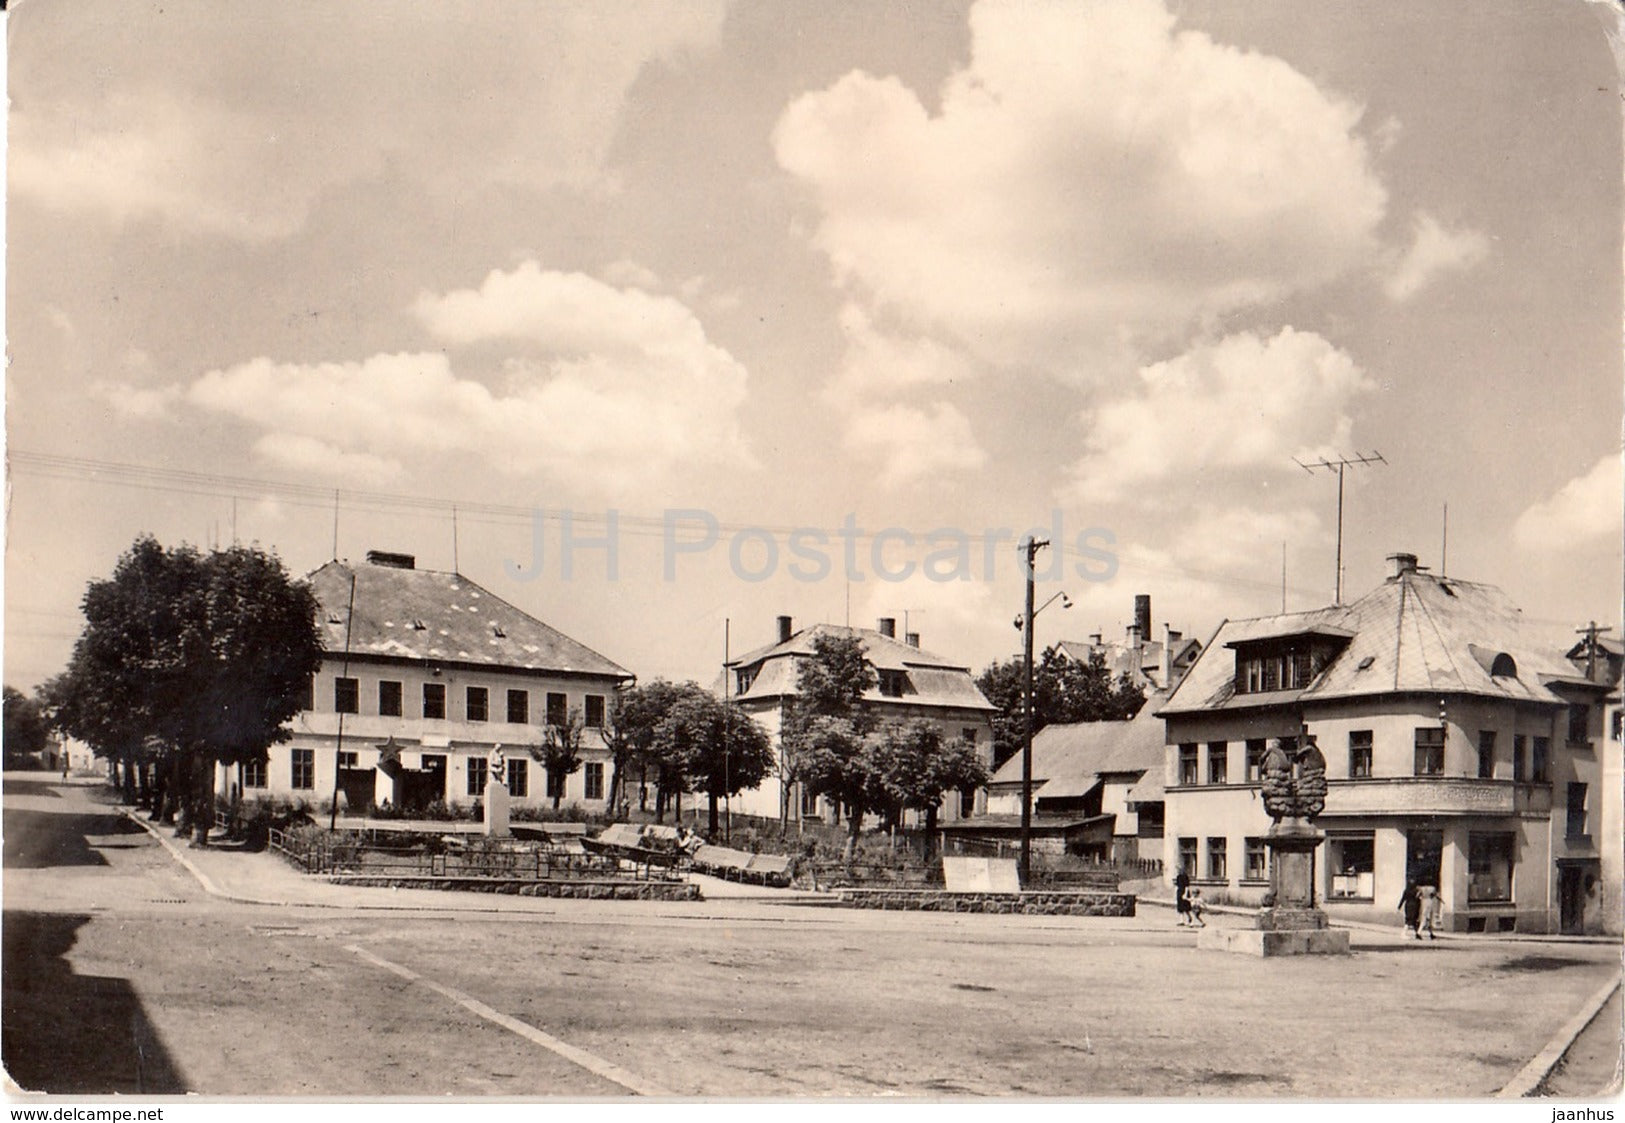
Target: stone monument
pixel 496 794
pixel 1290 923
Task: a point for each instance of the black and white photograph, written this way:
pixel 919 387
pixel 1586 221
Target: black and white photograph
pixel 654 552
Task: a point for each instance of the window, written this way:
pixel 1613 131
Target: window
pixel 593 776
pixel 1218 762
pixel 304 769
pixel 307 698
pixel 478 703
pixel 558 710
pixel 389 699
pixel 967 802
pixel 1286 668
pixel 556 784
pixel 1359 754
pixel 1187 764
pixel 1216 858
pixel 1258 868
pixel 594 711
pixel 253 773
pixel 1187 855
pixel 434 699
pixel 809 801
pixel 1579 724
pixel 893 683
pixel 1486 754
pixel 743 679
pixel 519 778
pixel 1430 750
pixel 1520 759
pixel 1540 760
pixel 1255 760
pixel 1489 866
pixel 346 696
pixel 1351 860
pixel 477 771
pixel 1577 812
pixel 519 706
pixel 347 759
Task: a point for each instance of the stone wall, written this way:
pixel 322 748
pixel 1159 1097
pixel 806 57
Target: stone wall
pixel 587 890
pixel 1037 903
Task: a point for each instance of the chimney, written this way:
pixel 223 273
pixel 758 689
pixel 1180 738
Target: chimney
pixel 1142 616
pixel 784 629
pixel 1094 639
pixel 1401 564
pixel 391 561
pixel 888 626
pixel 914 639
pixel 1167 668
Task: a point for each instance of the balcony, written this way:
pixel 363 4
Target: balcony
pixel 1436 795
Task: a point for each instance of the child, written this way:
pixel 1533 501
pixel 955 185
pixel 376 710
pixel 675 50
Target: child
pixel 1197 908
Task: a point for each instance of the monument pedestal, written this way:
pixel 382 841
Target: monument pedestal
pixel 1289 924
pixel 496 810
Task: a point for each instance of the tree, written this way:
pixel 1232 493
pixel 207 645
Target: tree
pixel 561 753
pixel 24 725
pixel 724 750
pixel 831 684
pixel 639 711
pixel 834 759
pixel 208 655
pixel 1064 691
pixel 916 767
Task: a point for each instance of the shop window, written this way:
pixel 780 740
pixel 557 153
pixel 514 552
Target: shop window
pixel 1490 857
pixel 1352 862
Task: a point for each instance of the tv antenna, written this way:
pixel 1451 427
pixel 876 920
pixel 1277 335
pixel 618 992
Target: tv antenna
pixel 1358 460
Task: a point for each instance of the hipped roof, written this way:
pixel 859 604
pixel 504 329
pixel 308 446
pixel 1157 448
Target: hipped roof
pixel 933 680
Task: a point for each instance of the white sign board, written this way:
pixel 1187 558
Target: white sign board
pixel 980 875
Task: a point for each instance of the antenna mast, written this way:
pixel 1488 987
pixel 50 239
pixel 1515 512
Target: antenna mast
pixel 1359 459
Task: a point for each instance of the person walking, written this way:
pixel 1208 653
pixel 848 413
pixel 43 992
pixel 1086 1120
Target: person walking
pixel 1193 897
pixel 1411 902
pixel 1182 900
pixel 1431 909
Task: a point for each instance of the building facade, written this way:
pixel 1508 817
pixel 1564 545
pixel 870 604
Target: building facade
pixel 425 673
pixel 1457 754
pixel 910 684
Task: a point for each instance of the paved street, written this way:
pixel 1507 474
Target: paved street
pixel 123 974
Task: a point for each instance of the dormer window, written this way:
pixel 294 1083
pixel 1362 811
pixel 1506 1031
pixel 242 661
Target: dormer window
pixel 1288 661
pixel 496 630
pixel 743 680
pixel 893 683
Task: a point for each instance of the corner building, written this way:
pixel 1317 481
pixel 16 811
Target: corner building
pixel 1457 754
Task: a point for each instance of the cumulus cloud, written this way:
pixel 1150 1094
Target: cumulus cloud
pixel 879 363
pixel 138 402
pixel 911 443
pixel 302 453
pixel 601 385
pixel 253 129
pixel 1127 177
pixel 1587 510
pixel 1434 250
pixel 1244 401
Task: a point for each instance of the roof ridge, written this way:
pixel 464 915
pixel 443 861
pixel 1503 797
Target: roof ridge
pixel 1444 645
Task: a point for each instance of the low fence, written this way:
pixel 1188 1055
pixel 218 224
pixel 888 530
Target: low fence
pixel 345 855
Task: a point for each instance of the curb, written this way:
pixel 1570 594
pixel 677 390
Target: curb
pixel 1538 1069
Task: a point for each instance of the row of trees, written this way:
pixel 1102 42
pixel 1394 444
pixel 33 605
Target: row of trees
pixel 187 660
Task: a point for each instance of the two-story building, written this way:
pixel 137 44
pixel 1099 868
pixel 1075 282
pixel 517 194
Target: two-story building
pixel 909 684
pixel 1458 754
pixel 424 673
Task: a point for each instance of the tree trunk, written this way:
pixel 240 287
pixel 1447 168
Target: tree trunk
pixel 855 817
pixel 930 832
pixel 660 803
pixel 203 797
pixel 129 776
pixel 614 789
pixel 713 813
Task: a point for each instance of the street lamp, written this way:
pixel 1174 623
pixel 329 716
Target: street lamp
pixel 1030 549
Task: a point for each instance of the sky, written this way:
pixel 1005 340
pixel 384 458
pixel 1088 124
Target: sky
pixel 663 320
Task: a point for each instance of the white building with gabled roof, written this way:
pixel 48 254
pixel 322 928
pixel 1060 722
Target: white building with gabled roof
pixel 424 673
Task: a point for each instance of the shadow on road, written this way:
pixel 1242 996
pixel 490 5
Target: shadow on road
pixel 40 839
pixel 71 1033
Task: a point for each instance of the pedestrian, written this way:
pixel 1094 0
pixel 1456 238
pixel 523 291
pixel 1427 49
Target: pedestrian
pixel 1431 903
pixel 1411 902
pixel 1194 897
pixel 1182 900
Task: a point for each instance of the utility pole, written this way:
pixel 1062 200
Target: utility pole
pixel 338 748
pixel 1590 632
pixel 727 729
pixel 1029 550
pixel 1338 465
